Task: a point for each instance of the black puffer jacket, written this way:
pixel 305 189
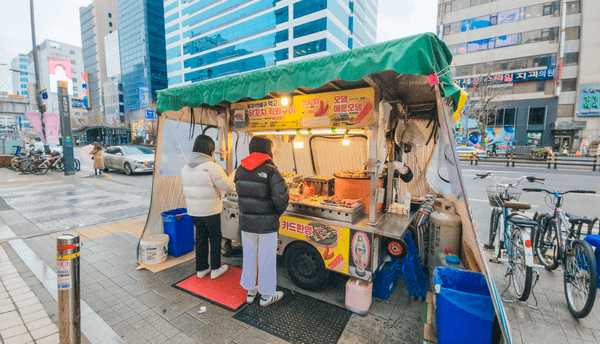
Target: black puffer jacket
pixel 262 194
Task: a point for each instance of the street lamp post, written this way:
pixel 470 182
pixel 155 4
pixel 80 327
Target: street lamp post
pixel 38 96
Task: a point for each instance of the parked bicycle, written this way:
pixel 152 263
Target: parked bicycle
pixel 556 243
pixel 509 232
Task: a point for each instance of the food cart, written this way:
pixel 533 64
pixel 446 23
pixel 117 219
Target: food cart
pixel 334 122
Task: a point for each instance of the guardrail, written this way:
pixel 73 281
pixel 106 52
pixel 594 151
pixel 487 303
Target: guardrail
pixel 552 161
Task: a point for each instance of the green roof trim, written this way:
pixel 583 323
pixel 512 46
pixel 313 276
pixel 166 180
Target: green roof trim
pixel 422 54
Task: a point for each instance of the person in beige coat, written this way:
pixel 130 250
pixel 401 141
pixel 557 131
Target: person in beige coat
pixel 98 159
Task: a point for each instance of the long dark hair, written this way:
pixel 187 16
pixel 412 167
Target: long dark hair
pixel 260 144
pixel 204 144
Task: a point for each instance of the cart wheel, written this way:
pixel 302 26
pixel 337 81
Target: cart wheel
pixel 305 266
pixel 395 248
pixel 226 249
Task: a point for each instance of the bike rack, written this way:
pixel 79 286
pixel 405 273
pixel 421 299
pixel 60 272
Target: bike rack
pixel 509 273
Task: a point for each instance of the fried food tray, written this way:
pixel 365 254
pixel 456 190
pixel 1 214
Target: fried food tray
pixel 338 213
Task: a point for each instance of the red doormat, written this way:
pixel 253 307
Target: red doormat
pixel 224 291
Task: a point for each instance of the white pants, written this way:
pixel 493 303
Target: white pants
pixel 261 248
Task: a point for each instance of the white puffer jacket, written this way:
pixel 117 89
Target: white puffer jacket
pixel 203 181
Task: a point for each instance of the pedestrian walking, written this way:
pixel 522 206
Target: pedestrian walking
pixel 98 159
pixel 262 198
pixel 203 182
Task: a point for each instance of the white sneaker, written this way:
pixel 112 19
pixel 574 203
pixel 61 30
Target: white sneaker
pixel 202 273
pixel 251 295
pixel 266 300
pixel 216 273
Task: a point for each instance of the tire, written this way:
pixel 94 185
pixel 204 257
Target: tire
pixel 24 166
pixel 42 168
pixel 580 278
pixel 546 244
pixel 522 274
pixel 493 227
pixel 77 165
pixel 305 266
pixel 105 170
pixel 499 237
pixel 127 169
pixel 395 248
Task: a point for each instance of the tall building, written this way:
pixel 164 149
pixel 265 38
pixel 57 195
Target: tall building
pixel 19 79
pixel 208 39
pixel 535 61
pixel 61 62
pixel 142 51
pixel 97 20
pixel 113 88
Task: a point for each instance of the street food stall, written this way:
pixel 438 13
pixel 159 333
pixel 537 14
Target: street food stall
pixel 362 138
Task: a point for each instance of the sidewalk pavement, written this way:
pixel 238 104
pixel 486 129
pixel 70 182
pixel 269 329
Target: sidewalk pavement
pixel 123 304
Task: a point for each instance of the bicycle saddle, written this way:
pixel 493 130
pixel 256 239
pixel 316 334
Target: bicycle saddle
pixel 517 205
pixel 576 220
pixel 521 221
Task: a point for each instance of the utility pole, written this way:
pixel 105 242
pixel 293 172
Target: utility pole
pixel 38 80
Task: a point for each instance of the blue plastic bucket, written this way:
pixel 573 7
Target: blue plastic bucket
pixel 464 310
pixel 179 226
pixel 594 241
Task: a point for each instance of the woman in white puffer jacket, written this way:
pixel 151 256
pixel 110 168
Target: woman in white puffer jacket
pixel 203 183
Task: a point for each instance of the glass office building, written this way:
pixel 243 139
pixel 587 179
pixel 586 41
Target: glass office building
pixel 208 39
pixel 142 49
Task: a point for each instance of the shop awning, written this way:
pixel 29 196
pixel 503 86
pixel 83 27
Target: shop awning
pixel 572 125
pixel 423 54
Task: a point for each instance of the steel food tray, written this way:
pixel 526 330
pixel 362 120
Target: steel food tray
pixel 339 213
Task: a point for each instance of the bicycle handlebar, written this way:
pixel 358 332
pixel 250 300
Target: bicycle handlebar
pixel 530 179
pixel 560 193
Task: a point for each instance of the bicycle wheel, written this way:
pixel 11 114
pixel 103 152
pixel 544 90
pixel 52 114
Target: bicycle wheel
pixel 499 239
pixel 580 279
pixel 24 167
pixel 493 227
pixel 546 244
pixel 522 274
pixel 42 168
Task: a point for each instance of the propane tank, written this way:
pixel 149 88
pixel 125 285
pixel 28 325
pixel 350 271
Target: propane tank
pixel 445 231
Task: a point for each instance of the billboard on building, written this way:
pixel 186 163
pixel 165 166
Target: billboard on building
pixel 60 70
pixel 84 89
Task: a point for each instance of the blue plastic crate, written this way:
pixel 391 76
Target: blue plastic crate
pixel 594 241
pixel 179 226
pixel 464 310
pixel 386 279
pixel 414 276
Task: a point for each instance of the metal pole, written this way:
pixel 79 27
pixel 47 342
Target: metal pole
pixel 38 80
pixel 549 160
pixel 595 162
pixel 67 271
pixel 476 158
pixel 513 159
pixel 555 161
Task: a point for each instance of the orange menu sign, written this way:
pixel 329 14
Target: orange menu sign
pixel 350 109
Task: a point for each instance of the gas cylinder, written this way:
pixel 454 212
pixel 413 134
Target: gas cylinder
pixel 445 231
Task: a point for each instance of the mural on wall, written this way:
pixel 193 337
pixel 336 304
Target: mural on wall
pixel 502 136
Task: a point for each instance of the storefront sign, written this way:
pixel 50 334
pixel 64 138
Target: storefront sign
pixel 531 75
pixel 351 109
pixel 77 103
pixel 589 100
pixel 333 243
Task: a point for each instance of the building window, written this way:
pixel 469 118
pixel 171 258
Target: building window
pixel 109 24
pixel 569 85
pixel 541 86
pixel 74 79
pixel 573 7
pixel 72 52
pixel 73 62
pixel 537 116
pixel 571 58
pixel 572 33
pixel 504 118
pixel 110 15
pixel 449 6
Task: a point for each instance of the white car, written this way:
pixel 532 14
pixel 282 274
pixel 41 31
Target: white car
pixel 465 152
pixel 130 159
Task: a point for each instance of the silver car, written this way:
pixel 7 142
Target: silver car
pixel 130 159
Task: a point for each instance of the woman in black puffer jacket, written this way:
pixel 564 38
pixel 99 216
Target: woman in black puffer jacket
pixel 262 198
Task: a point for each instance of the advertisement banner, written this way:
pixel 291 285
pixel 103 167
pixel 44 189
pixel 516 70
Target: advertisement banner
pixel 84 90
pixel 60 70
pixel 531 75
pixel 51 121
pixel 589 100
pixel 332 242
pixel 351 109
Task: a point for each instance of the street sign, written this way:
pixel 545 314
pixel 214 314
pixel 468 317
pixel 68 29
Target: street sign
pixel 65 126
pixel 150 114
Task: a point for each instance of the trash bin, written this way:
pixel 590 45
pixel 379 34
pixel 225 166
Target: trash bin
pixel 179 226
pixel 594 241
pixel 464 310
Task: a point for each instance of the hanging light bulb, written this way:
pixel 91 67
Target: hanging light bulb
pixel 346 140
pixel 298 142
pixel 285 101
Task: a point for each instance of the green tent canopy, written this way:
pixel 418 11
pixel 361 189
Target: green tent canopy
pixel 423 54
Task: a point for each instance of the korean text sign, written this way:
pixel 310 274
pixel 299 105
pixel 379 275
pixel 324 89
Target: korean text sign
pixel 589 100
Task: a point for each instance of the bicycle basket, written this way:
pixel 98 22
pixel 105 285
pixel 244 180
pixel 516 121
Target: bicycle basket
pixel 497 194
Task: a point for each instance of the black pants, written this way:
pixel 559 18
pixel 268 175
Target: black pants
pixel 208 228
